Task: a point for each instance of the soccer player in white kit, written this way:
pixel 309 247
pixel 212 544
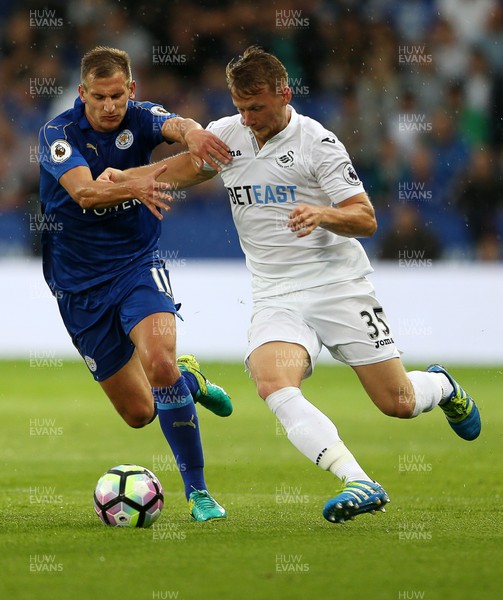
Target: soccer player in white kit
pixel 298 206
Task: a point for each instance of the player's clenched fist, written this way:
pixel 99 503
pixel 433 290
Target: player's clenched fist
pixel 112 175
pixel 305 218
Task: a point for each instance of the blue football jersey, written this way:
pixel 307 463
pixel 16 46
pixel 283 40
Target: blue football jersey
pixel 84 248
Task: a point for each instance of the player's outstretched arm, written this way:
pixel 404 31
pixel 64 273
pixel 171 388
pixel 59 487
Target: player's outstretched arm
pixel 354 217
pixel 179 172
pixel 203 145
pixel 102 193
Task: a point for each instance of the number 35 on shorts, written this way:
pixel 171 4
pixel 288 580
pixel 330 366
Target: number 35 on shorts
pixel 375 322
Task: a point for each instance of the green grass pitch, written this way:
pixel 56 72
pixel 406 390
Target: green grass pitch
pixel 440 538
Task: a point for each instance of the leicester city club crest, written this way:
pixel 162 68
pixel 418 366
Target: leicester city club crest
pixel 91 363
pixel 124 139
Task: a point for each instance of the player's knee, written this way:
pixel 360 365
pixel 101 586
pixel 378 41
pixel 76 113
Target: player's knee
pixel 162 371
pixel 265 388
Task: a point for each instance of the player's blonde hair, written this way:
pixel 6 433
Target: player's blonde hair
pixel 103 61
pixel 247 75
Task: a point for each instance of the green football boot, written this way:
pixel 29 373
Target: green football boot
pixel 209 395
pixel 203 507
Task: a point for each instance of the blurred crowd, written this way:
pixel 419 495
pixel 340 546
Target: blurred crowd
pixel 413 89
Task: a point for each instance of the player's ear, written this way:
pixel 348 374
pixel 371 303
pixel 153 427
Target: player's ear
pixel 132 89
pixel 81 92
pixel 287 94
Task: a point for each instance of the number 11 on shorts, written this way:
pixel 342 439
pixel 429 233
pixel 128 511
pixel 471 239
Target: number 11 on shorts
pixel 161 281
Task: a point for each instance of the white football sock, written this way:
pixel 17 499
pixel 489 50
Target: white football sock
pixel 313 434
pixel 447 387
pixel 427 391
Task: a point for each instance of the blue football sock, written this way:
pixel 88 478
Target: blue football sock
pixel 191 381
pixel 180 425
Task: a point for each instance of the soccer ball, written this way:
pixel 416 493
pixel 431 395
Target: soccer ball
pixel 128 496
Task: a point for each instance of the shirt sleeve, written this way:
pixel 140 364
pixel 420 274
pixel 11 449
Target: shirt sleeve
pixel 57 154
pixel 333 168
pixel 153 118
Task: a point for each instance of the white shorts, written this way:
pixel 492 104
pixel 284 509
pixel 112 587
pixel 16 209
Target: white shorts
pixel 344 317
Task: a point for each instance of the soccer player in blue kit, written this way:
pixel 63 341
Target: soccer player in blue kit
pixel 102 263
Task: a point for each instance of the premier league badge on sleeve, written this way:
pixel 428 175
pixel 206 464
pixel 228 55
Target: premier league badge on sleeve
pixel 60 151
pixel 350 175
pixel 159 111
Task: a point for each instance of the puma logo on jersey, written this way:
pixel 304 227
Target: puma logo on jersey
pixel 185 423
pixel 329 140
pixel 91 147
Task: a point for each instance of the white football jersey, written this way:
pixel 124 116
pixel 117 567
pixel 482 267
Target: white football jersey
pixel 302 163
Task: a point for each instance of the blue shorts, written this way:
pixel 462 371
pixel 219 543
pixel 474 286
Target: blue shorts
pixel 99 320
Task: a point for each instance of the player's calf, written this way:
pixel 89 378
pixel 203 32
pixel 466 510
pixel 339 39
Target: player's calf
pixel 400 405
pixel 398 402
pixel 389 387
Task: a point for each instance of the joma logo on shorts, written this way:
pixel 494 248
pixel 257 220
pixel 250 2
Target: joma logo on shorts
pixel 384 342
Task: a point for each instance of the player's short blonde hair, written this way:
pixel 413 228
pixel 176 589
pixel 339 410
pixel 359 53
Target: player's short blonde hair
pixel 103 61
pixel 247 75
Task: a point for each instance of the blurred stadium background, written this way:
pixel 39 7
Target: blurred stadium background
pixel 413 89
